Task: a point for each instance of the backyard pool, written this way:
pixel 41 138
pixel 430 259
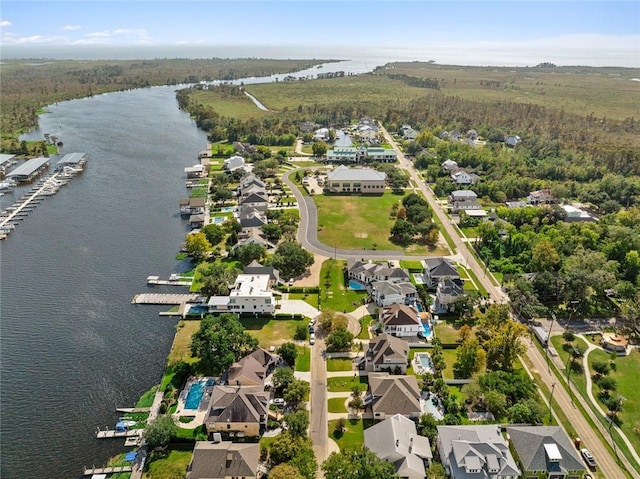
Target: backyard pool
pixel 196 391
pixel 356 285
pixel 427 330
pixel 423 363
pixel 219 219
pixel 419 307
pixel 227 209
pixel 198 309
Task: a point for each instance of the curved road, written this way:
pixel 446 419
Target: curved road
pixel 307 236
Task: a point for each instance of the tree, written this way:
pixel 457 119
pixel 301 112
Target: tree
pixel 282 448
pixel 249 252
pixel 319 148
pixel 339 340
pixel 469 359
pixel 301 332
pixel 220 341
pixel 525 412
pixel 272 231
pixel 288 353
pixel 428 427
pixel 160 432
pixel 297 423
pixel 282 377
pixel 213 232
pixel 544 256
pixel 357 464
pixel 496 402
pixel 296 392
pixel 601 368
pixel 284 471
pixel 290 259
pixel 197 246
pixel 305 460
pixel 436 471
pixel 216 278
pixel 607 384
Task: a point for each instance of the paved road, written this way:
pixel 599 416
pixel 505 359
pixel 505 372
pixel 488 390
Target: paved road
pixel 318 419
pixel 606 462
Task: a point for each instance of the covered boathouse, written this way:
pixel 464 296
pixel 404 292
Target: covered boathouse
pixel 28 171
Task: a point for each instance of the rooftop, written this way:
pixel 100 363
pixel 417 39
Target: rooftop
pixel 251 285
pixel 342 173
pixel 29 167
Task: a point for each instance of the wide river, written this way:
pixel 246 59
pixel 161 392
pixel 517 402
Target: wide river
pixel 72 346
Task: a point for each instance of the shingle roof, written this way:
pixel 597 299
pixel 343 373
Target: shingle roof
pixel 386 346
pixel 529 442
pixel 225 459
pixel 398 314
pixel 237 404
pixel 394 394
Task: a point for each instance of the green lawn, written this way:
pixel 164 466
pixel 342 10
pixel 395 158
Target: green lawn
pixel 146 400
pixel 270 331
pixel 337 405
pixel 353 435
pixel 364 327
pixel 411 265
pixel 311 298
pixel 345 384
pixel 335 295
pixel 169 466
pixel 339 364
pixel 447 332
pixel 359 222
pixel 303 360
pixel 450 356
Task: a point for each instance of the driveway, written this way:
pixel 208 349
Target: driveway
pixel 297 306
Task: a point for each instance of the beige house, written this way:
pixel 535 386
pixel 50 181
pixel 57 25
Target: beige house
pixel 388 395
pixel 355 180
pixel 253 369
pixel 237 411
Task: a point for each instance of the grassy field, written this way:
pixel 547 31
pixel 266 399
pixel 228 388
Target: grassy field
pixel 336 405
pixel 345 384
pixel 450 356
pixel 447 332
pixel 339 364
pixel 303 360
pixel 168 466
pixel 335 295
pixel 580 90
pixel 311 298
pixel 352 437
pixel 271 332
pixel 181 348
pixel 364 327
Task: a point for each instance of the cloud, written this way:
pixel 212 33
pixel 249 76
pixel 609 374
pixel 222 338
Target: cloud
pixel 5 23
pixel 118 36
pixel 71 28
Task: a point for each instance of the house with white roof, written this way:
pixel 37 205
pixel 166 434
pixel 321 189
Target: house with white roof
pixel 461 177
pixel 396 440
pixel 572 214
pixel 355 180
pixel 252 294
pixel 470 452
pixel 449 165
pixel 367 272
pixel 234 163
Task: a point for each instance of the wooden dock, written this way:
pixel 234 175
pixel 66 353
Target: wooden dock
pixel 112 433
pixel 106 470
pixel 161 298
pixel 133 409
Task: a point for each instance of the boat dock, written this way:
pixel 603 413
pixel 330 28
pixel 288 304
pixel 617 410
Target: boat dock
pixel 106 470
pixel 132 410
pixel 112 433
pixel 172 281
pixel 161 298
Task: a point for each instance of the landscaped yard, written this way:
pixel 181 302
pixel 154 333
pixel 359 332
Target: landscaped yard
pixel 181 348
pixel 447 332
pixel 364 327
pixel 335 295
pixel 339 364
pixel 358 222
pixel 353 435
pixel 337 405
pixel 169 466
pixel 450 356
pixel 303 360
pixel 345 384
pixel 270 331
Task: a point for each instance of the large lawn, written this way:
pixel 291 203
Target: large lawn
pixel 311 298
pixel 335 294
pixel 352 437
pixel 339 364
pixel 336 405
pixel 181 348
pixel 169 466
pixel 358 222
pixel 345 384
pixel 303 360
pixel 270 331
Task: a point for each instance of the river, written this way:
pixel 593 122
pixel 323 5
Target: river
pixel 72 347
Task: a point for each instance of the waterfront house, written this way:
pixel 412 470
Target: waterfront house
pixel 192 206
pixel 234 163
pixel 237 411
pixel 401 320
pixel 251 294
pixel 256 268
pixel 355 180
pixel 251 218
pixel 196 221
pixel 259 201
pixel 224 460
pixel 251 179
pixel 253 369
pixel 387 353
pixel 545 452
pixel 388 395
pixel 475 452
pixel 195 171
pixel 436 269
pixel 388 292
pixel 397 441
pixel 252 235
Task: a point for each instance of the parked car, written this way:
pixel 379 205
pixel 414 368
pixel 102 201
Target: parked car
pixel 312 338
pixel 279 402
pixel 290 281
pixel 588 457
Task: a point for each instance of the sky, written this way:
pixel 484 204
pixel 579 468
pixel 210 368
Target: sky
pixel 506 32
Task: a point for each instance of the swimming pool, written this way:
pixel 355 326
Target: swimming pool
pixel 427 330
pixel 419 307
pixel 356 285
pixel 423 363
pixel 195 395
pixel 227 209
pixel 219 219
pixel 198 309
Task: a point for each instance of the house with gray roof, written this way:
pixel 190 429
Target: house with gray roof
pixel 251 179
pixel 401 320
pixel 545 452
pixel 253 235
pixel 396 440
pixel 256 268
pixel 252 218
pixel 387 353
pixel 234 163
pixel 388 395
pixel 221 460
pixel 253 369
pixel 367 272
pixel 436 269
pixel 448 293
pixel 385 293
pixel 355 180
pixel 237 411
pixel 476 452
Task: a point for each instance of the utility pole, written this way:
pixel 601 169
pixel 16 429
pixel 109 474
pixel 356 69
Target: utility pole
pixel 546 343
pixel 553 387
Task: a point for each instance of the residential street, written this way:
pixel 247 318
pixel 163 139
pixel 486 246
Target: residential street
pixel 318 420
